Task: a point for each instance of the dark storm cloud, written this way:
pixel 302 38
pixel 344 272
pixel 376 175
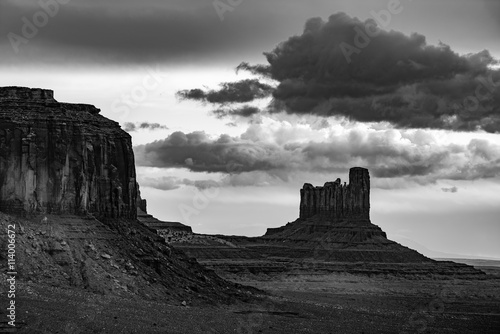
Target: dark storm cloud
pixel 131 127
pixel 450 190
pixel 119 31
pixel 230 92
pixel 126 31
pixel 344 66
pixel 197 152
pixel 245 111
pixel 493 7
pixel 388 154
pixel 261 70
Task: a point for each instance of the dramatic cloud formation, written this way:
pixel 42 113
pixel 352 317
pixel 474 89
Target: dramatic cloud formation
pixel 283 149
pixel 131 127
pixel 352 68
pixel 230 92
pixel 127 32
pixel 197 152
pixel 173 182
pixel 450 190
pixel 245 111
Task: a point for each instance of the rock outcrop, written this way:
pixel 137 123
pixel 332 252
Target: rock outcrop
pixel 340 213
pixel 68 186
pixel 333 234
pixel 159 226
pixel 142 204
pixel 60 158
pixel 337 201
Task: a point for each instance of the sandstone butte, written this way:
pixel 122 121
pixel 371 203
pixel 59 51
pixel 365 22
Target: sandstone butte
pixel 62 158
pixel 68 185
pixel 333 233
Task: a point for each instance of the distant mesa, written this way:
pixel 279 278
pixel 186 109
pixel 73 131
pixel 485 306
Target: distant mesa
pixel 160 227
pixel 341 211
pixel 60 158
pixel 332 234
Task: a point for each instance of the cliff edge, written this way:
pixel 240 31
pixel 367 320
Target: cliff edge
pixel 62 158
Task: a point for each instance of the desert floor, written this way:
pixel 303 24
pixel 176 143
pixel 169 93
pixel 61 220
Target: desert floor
pixel 338 303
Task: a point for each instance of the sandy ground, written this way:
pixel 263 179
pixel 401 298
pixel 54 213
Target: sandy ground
pixel 328 304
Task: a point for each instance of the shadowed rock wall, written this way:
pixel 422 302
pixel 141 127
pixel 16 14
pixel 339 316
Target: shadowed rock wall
pixel 62 158
pixel 336 200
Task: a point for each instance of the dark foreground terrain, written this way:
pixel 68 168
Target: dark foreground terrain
pixel 81 276
pixel 330 304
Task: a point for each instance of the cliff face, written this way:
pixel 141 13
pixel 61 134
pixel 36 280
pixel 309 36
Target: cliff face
pixel 62 158
pixel 337 201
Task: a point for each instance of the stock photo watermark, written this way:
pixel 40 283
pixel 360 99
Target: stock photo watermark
pixel 424 316
pixel 484 91
pixel 256 319
pixel 223 6
pixel 139 93
pixel 11 275
pixel 31 26
pixel 200 202
pixel 362 39
pixel 202 198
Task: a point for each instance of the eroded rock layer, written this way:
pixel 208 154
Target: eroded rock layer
pixel 62 158
pixel 338 201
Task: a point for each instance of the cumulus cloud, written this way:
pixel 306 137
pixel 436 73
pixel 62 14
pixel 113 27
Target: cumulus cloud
pixel 197 152
pixel 131 127
pixel 450 190
pixel 280 149
pixel 348 67
pixel 245 111
pixel 242 179
pixel 173 182
pixel 163 183
pixel 230 92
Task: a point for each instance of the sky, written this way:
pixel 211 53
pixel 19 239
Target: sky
pixel 233 105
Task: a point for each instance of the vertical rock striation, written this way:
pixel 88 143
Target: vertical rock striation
pixel 62 158
pixel 141 203
pixel 338 201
